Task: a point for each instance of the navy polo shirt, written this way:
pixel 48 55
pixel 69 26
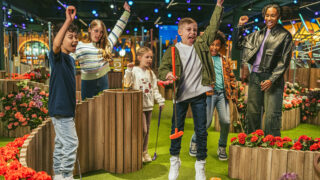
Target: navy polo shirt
pixel 62 88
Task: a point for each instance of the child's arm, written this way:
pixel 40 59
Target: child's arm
pixel 128 76
pixel 120 26
pixel 157 96
pixel 70 14
pixel 165 69
pixel 210 32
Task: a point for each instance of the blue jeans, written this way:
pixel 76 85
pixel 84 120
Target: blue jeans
pixel 90 88
pixel 198 106
pixel 269 102
pixel 65 145
pixel 218 101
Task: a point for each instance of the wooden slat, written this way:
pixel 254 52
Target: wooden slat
pixel 127 131
pixel 140 129
pixel 119 132
pixel 234 159
pixel 308 171
pixel 107 130
pixel 99 133
pixel 91 132
pixel 254 163
pixel 314 77
pixel 84 135
pixel 295 162
pixel 112 130
pixel 134 132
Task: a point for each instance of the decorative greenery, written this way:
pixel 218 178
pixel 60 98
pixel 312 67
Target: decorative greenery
pixel 241 106
pixel 311 104
pixel 27 107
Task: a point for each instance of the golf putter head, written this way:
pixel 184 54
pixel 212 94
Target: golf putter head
pixel 176 134
pixel 154 157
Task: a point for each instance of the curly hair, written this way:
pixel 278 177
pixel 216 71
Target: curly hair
pixel 276 6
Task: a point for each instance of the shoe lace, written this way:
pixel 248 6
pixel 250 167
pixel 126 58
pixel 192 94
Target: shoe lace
pixel 193 146
pixel 223 151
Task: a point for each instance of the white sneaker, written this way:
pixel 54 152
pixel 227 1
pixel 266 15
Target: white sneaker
pixel 58 177
pixel 175 163
pixel 200 170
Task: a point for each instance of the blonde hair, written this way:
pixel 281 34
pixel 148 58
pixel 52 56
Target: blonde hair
pixel 140 52
pixel 184 21
pixel 103 43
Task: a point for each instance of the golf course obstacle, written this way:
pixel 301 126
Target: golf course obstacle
pixel 109 128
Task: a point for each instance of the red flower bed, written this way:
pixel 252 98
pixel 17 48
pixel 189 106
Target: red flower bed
pixel 10 166
pixel 257 139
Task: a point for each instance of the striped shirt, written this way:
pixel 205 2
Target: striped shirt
pixel 92 64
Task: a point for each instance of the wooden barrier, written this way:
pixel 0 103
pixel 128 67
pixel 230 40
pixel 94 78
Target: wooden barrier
pixel 314 78
pixel 115 80
pixel 306 77
pixel 315 120
pixel 109 128
pixel 270 164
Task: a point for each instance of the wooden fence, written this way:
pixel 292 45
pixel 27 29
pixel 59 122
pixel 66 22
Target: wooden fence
pixel 270 164
pixel 315 120
pixel 109 128
pixel 307 77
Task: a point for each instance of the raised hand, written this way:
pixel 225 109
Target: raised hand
pixel 71 13
pixel 243 20
pixel 220 2
pixel 130 65
pixel 126 6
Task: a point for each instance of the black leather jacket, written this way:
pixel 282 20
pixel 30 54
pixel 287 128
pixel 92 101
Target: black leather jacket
pixel 277 51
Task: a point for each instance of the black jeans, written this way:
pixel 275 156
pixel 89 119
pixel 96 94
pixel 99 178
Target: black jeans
pixel 198 106
pixel 270 101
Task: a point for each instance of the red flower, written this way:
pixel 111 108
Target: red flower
pixel 286 139
pixel 254 139
pixel 279 144
pixel 277 138
pixel 1 114
pixel 233 139
pixel 259 132
pixel 242 138
pixel 7 108
pixel 304 138
pixel 314 147
pixel 268 138
pixel 297 145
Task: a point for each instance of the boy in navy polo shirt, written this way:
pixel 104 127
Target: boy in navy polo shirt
pixel 62 99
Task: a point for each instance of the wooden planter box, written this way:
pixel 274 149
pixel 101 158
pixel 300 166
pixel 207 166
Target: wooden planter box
pixel 270 164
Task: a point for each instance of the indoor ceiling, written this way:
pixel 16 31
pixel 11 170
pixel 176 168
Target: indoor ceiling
pixel 143 12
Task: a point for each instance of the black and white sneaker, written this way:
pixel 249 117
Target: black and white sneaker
pixel 193 149
pixel 222 154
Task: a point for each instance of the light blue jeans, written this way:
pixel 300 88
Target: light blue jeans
pixel 218 101
pixel 65 145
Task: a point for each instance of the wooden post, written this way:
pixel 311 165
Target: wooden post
pixel 234 159
pixel 99 132
pixel 295 162
pixel 91 131
pixel 127 132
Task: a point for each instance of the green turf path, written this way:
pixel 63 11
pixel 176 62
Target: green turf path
pixel 159 169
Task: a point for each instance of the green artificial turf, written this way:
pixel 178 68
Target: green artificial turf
pixel 5 140
pixel 159 169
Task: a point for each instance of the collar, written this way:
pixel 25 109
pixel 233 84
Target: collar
pixel 274 30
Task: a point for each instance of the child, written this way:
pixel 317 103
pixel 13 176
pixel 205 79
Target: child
pixel 141 77
pixel 94 54
pixel 194 70
pixel 224 89
pixel 62 97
